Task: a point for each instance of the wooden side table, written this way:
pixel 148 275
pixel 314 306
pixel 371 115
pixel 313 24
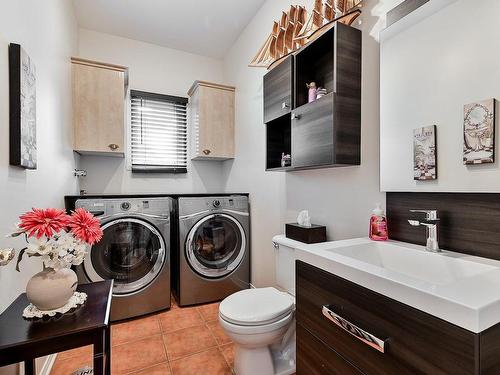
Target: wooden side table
pixel 26 339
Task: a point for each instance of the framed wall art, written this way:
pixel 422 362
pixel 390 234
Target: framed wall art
pixel 22 92
pixel 479 132
pixel 425 153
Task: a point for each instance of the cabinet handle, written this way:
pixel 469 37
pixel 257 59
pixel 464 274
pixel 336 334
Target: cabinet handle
pixel 285 105
pixel 295 116
pixel 113 146
pixel 354 330
pixel 207 152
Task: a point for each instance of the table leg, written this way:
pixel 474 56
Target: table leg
pixel 107 348
pixel 29 367
pixel 99 353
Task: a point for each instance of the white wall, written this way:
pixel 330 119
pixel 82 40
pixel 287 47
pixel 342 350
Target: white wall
pixel 342 198
pixel 48 33
pixel 429 71
pixel 156 69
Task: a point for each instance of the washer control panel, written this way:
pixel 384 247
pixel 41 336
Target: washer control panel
pixel 125 206
pixel 111 206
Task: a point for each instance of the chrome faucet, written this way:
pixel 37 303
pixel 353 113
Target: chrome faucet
pixel 431 224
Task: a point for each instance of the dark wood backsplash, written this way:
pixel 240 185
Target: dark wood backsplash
pixel 470 222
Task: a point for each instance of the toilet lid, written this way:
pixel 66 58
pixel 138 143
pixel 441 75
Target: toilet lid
pixel 256 306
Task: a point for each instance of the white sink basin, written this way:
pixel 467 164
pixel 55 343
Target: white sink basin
pixel 461 289
pixel 416 263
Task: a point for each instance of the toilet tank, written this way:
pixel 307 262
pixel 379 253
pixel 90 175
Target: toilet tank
pixel 285 264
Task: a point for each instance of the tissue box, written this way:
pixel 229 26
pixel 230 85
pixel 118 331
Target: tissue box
pixel 312 234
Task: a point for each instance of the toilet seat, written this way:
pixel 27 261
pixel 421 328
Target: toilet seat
pixel 256 329
pixel 257 307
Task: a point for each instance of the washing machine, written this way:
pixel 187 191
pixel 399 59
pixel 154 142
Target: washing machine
pixel 213 248
pixel 134 251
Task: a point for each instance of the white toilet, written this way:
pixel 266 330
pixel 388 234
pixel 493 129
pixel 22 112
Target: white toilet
pixel 261 322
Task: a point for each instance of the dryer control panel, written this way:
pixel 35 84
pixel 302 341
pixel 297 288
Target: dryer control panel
pixel 193 205
pixel 226 202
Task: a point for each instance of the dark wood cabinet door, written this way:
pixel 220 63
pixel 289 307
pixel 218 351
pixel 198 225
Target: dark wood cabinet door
pixel 316 358
pixel 313 133
pixel 416 342
pixel 278 88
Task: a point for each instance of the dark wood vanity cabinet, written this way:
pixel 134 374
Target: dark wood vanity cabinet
pixel 415 342
pixel 327 131
pixel 278 90
pixel 316 358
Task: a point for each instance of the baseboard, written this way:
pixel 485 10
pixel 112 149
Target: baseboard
pixel 47 366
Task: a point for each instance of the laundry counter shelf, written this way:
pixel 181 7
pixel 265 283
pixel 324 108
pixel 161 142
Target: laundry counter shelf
pixel 26 339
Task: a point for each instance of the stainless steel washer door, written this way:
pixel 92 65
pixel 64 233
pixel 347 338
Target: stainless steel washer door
pixel 131 251
pixel 215 245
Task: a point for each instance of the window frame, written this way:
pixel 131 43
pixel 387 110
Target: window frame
pixel 138 169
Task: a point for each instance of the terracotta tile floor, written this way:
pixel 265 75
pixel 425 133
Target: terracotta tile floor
pixel 181 341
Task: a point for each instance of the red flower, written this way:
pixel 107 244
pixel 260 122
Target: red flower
pixel 43 222
pixel 85 226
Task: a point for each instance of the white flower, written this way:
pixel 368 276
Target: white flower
pixel 81 247
pixel 54 262
pixel 66 240
pixel 50 262
pixel 62 250
pixel 78 259
pixel 39 246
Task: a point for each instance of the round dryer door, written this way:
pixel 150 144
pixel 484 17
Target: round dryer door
pixel 131 251
pixel 216 245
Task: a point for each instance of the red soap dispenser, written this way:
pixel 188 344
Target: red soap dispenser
pixel 378 225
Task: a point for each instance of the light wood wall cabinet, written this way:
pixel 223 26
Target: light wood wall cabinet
pixel 211 121
pixel 99 91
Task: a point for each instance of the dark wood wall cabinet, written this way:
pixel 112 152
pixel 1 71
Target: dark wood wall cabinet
pixel 325 132
pixel 278 89
pixel 414 342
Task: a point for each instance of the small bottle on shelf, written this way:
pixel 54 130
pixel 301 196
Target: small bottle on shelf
pixel 378 225
pixel 311 97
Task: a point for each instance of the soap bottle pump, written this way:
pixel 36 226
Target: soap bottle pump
pixel 378 225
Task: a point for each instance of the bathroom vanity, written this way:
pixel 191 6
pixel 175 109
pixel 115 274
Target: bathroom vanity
pixel 392 308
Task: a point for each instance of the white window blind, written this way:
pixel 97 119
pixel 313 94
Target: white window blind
pixel 158 132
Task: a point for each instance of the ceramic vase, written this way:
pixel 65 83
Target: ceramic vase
pixel 51 289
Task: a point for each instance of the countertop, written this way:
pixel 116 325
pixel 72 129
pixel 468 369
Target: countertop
pixel 472 303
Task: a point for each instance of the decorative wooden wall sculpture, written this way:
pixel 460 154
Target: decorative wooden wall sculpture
pixel 297 27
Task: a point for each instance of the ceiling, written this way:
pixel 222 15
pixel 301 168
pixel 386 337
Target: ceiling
pixel 203 27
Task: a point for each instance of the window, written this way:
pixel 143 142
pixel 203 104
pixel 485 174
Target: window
pixel 158 139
